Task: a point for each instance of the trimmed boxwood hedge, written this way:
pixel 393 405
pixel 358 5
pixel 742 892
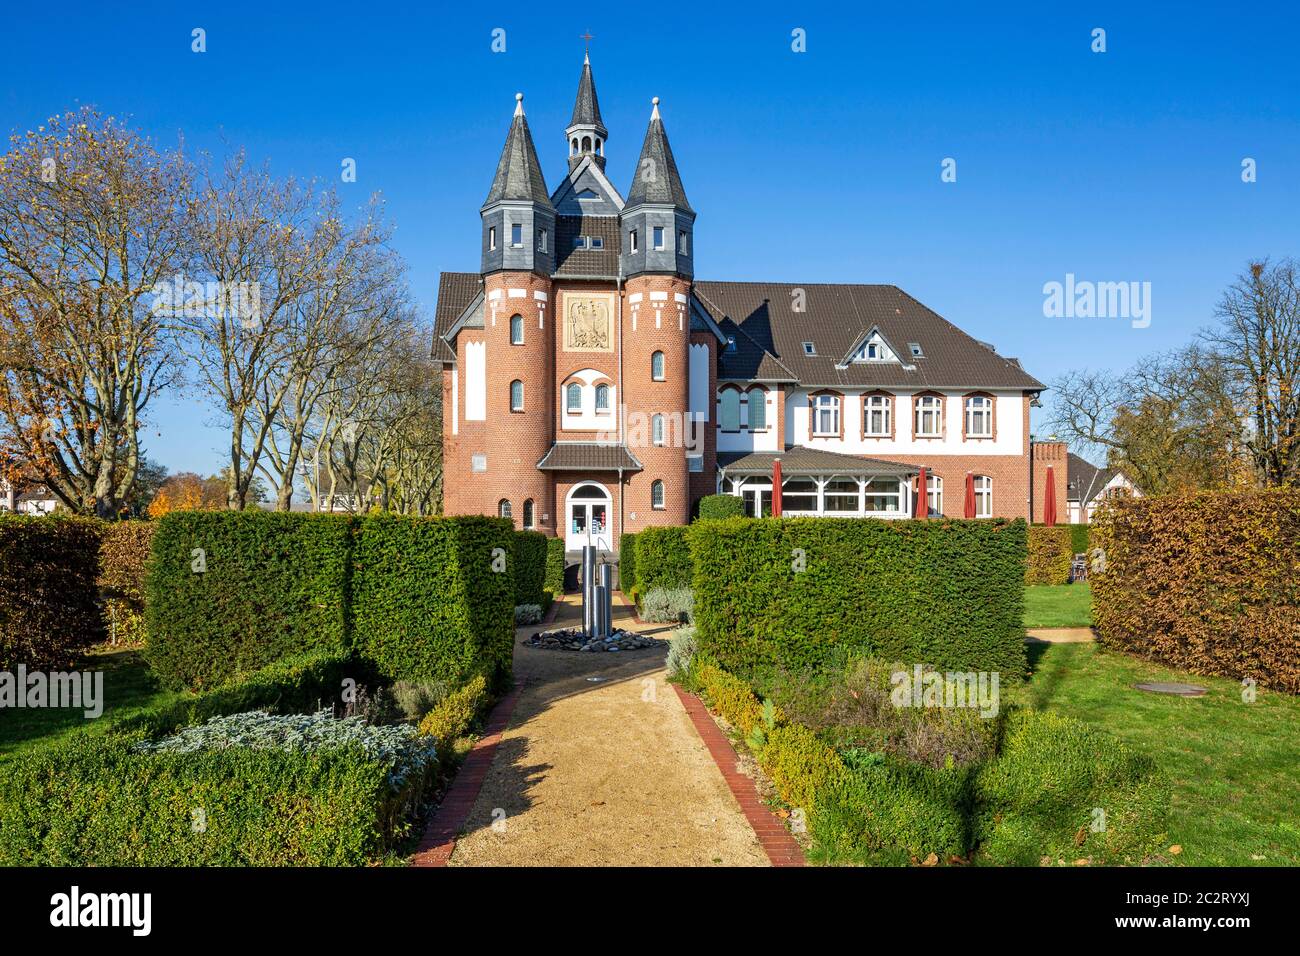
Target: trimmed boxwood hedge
pixel 663 559
pixel 420 598
pixel 627 564
pixel 273 584
pixel 1078 538
pixel 721 506
pixel 428 602
pixel 798 593
pixel 1050 554
pixel 555 566
pixel 48 592
pixel 529 562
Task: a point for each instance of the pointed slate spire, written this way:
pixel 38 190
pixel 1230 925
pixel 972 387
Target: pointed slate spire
pixel 519 175
pixel 586 133
pixel 656 179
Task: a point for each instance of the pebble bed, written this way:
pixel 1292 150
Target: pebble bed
pixel 574 639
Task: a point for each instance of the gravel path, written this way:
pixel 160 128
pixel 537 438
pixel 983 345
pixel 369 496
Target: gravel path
pixel 607 772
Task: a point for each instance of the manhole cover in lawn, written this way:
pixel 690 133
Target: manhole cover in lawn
pixel 1181 690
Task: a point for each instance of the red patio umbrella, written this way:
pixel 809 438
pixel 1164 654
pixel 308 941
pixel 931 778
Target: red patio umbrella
pixel 922 509
pixel 1049 499
pixel 970 495
pixel 776 490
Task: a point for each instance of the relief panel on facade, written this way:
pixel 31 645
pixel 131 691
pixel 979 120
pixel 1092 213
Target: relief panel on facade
pixel 588 321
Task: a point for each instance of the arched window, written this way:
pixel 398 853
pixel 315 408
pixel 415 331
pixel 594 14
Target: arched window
pixel 876 412
pixel 602 398
pixel 528 513
pixel 934 495
pixel 979 416
pixel 757 409
pixel 929 416
pixel 657 495
pixel 503 508
pixel 516 396
pixel 573 398
pixel 516 330
pixel 599 146
pixel 983 496
pixel 657 429
pixel 574 148
pixel 657 366
pixel 730 416
pixel 586 144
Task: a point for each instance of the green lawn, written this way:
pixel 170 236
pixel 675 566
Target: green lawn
pixel 1058 605
pixel 1234 766
pixel 128 687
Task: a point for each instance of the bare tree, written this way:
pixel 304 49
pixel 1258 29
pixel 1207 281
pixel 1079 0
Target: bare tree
pixel 89 227
pixel 1258 341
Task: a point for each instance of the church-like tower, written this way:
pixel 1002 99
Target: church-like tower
pixel 586 133
pixel 656 229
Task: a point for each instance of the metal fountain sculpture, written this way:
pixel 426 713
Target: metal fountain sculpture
pixel 597 596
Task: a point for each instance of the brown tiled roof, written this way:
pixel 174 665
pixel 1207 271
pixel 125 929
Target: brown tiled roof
pixel 1084 480
pixel 456 290
pixel 798 460
pixel 586 262
pixel 588 456
pixel 835 318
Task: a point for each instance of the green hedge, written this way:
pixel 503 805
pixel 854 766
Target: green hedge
pixel 798 593
pixel 274 584
pixel 1041 796
pixel 555 566
pixel 433 598
pixel 1078 538
pixel 123 560
pixel 1050 553
pixel 529 562
pixel 716 507
pixel 627 564
pixel 420 598
pixel 92 801
pixel 48 592
pixel 663 559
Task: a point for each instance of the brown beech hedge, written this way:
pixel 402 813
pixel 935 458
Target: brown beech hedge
pixel 1050 552
pixel 1206 583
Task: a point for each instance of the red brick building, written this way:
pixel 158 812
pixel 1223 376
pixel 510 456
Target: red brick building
pixel 592 385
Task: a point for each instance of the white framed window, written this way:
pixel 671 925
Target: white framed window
pixel 516 396
pixel 580 242
pixel 517 235
pixel 478 463
pixel 602 399
pixel 799 495
pixel 729 416
pixel 757 409
pixel 809 348
pixel 983 496
pixel 657 495
pixel 934 495
pixel 503 508
pixel 681 242
pixel 826 416
pixel 657 237
pixel 541 240
pixel 596 242
pixel 915 349
pixel 573 399
pixel 841 494
pixel 979 416
pixel 631 241
pixel 657 429
pixel 657 366
pixel 695 464
pixel 516 330
pixel 929 416
pixel 528 513
pixel 876 412
pixel 884 496
pixel 492 238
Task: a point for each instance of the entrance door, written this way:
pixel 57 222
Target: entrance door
pixel 758 500
pixel 588 519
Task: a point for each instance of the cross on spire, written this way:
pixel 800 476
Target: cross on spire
pixel 587 38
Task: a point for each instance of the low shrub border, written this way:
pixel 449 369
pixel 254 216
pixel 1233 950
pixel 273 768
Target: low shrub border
pixel 49 611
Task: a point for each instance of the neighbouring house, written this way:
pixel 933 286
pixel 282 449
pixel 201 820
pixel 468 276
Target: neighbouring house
pixel 28 498
pixel 1089 486
pixel 593 385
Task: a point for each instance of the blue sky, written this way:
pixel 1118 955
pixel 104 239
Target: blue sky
pixel 822 166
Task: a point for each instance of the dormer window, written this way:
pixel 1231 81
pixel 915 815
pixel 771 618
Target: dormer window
pixel 580 242
pixel 873 350
pixel 915 349
pixel 596 242
pixel 809 348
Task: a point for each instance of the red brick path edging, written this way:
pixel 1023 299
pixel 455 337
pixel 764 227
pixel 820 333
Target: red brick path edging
pixel 439 839
pixel 776 840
